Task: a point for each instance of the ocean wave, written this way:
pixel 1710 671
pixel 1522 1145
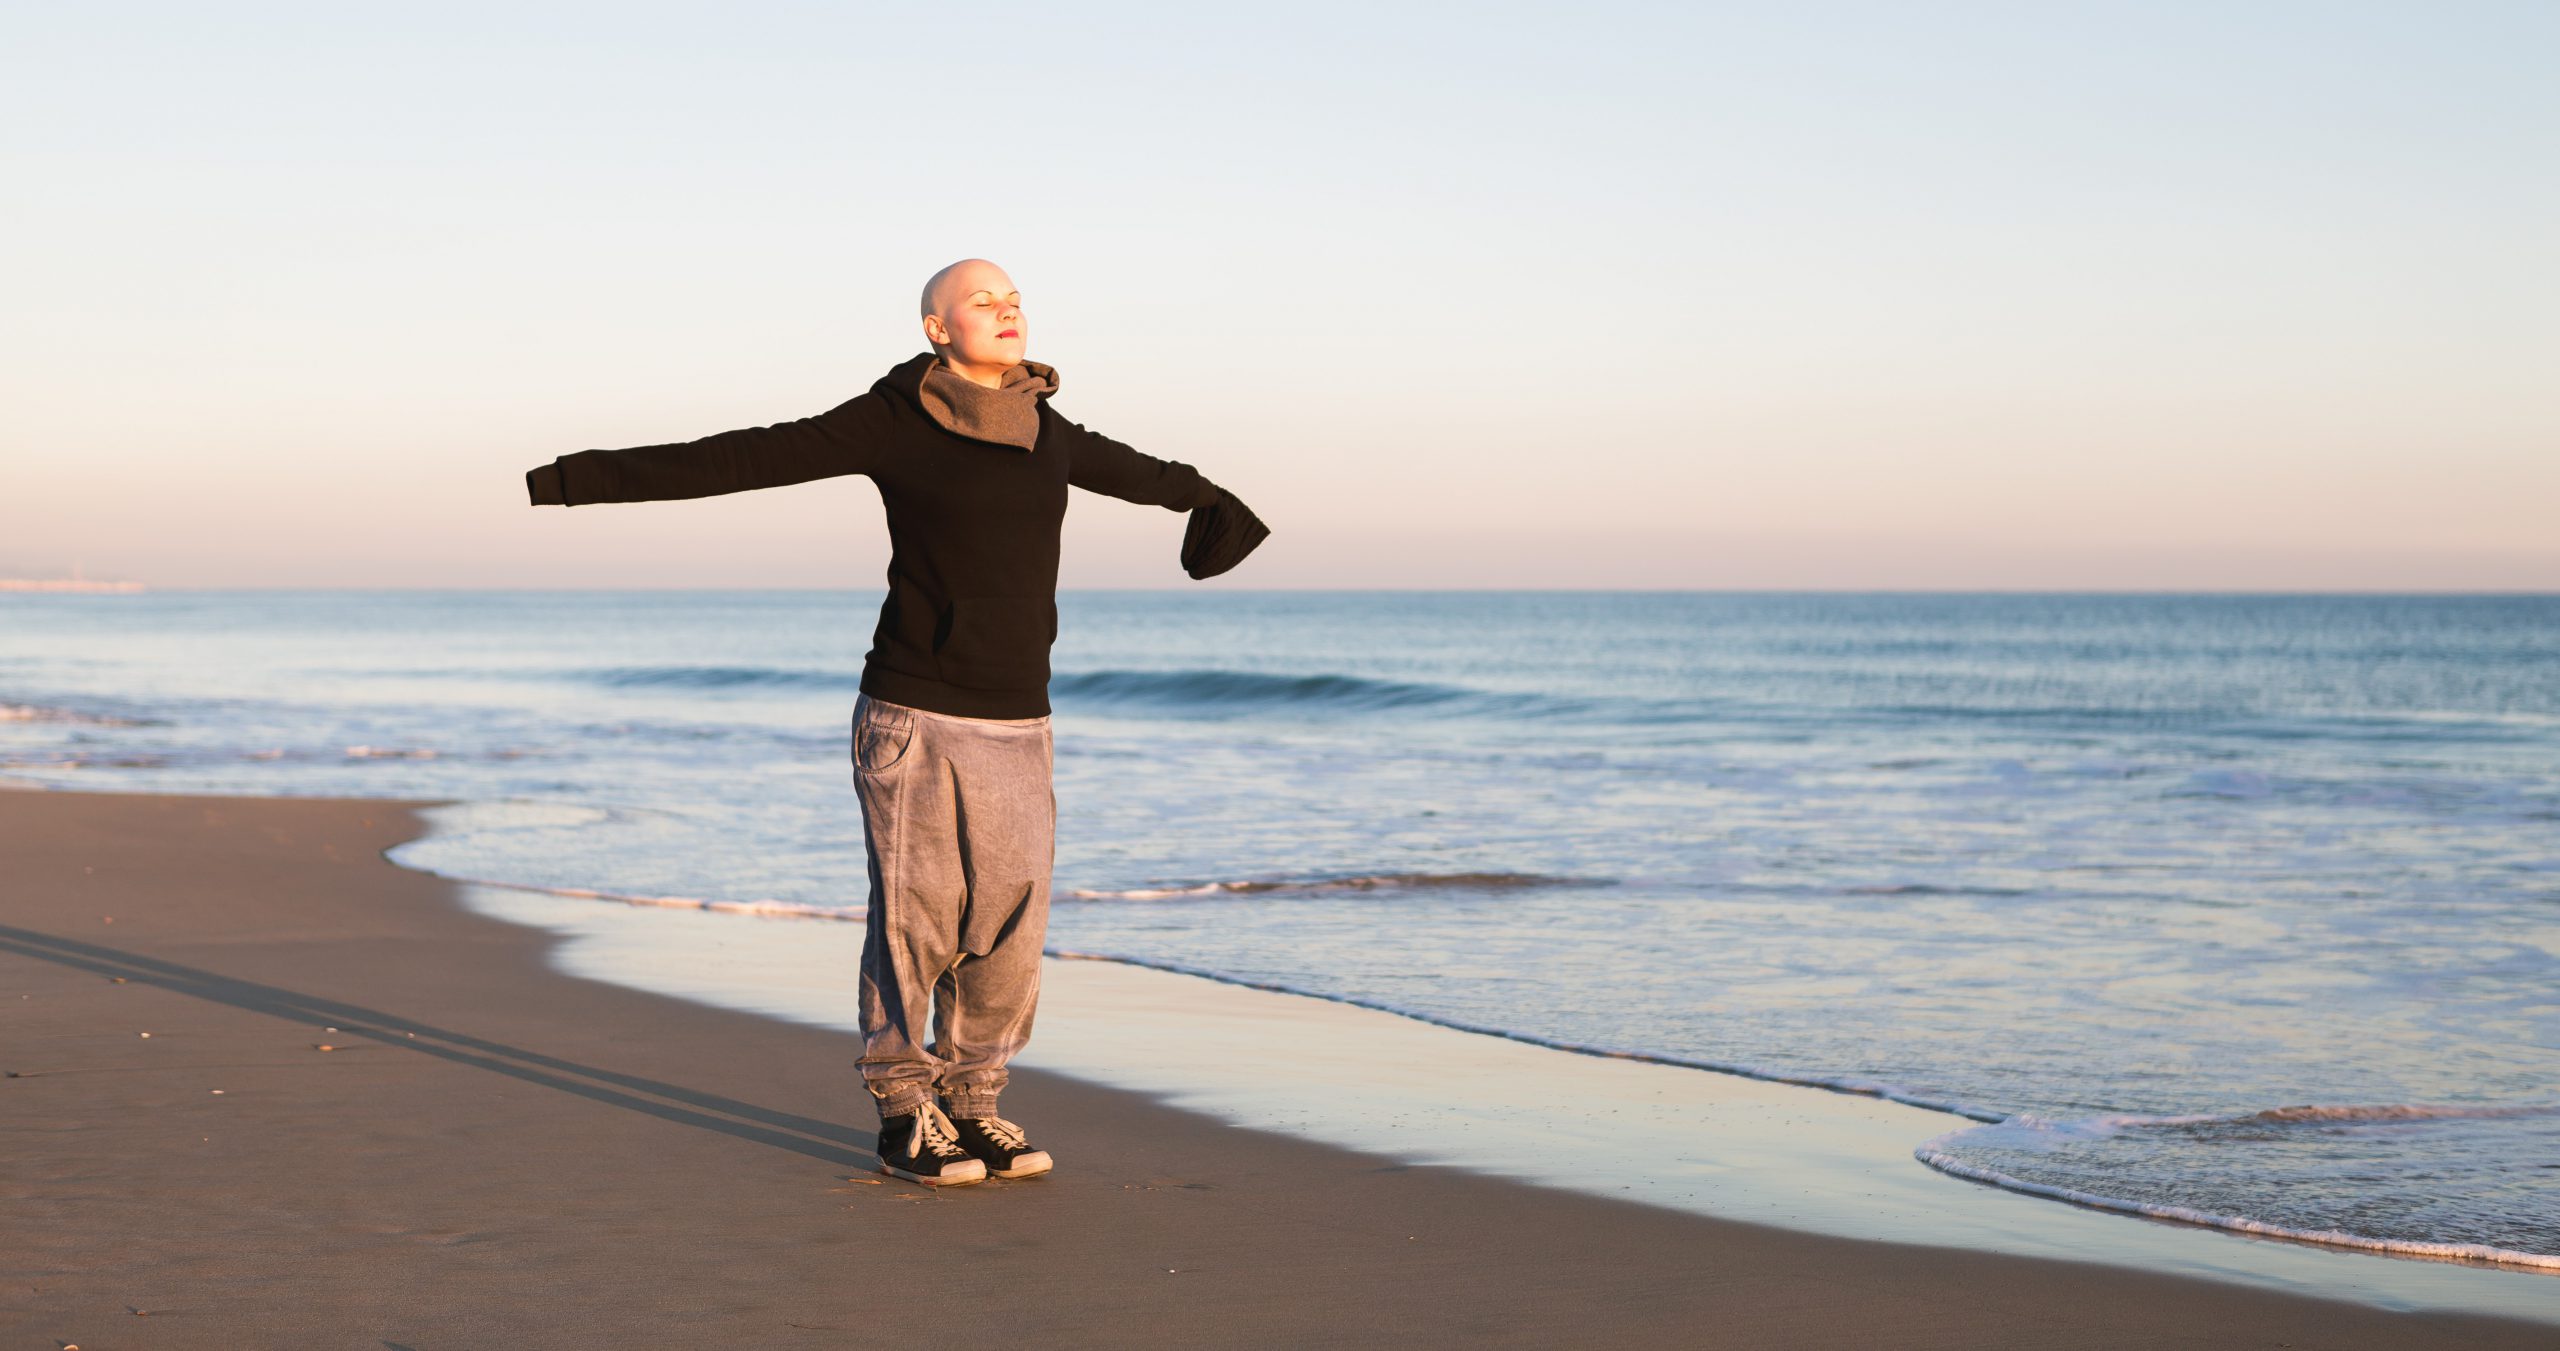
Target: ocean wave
pixel 760 909
pixel 2039 1129
pixel 2387 1112
pixel 2246 724
pixel 68 761
pixel 1211 690
pixel 1202 690
pixel 221 757
pixel 48 713
pixel 1255 689
pixel 1476 881
pixel 2045 1133
pixel 1932 889
pixel 717 677
pixel 777 909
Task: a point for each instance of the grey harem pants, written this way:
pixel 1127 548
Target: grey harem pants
pixel 959 823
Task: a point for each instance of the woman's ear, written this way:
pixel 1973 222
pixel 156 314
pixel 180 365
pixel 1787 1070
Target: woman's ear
pixel 934 331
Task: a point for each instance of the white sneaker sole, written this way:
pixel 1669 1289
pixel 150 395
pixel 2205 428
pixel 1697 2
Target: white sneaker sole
pixel 960 1179
pixel 1029 1165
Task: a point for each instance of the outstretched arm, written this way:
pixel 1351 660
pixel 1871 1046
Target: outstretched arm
pixel 1222 528
pixel 1099 464
pixel 841 440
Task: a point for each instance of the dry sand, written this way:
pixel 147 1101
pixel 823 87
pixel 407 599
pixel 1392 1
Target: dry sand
pixel 496 1154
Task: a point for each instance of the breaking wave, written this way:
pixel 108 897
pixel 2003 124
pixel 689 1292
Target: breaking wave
pixel 1479 881
pixel 779 909
pixel 47 713
pixel 2031 1133
pixel 717 677
pixel 1216 689
pixel 761 909
pixel 1186 691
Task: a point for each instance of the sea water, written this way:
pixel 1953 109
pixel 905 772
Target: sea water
pixel 2238 909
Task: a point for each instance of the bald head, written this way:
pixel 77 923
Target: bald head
pixel 959 279
pixel 973 317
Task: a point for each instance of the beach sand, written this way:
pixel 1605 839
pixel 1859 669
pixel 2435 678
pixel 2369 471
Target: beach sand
pixel 498 1154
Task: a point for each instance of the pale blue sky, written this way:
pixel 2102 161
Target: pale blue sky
pixel 2212 296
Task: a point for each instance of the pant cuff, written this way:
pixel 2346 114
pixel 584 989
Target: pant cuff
pixel 975 1104
pixel 902 1102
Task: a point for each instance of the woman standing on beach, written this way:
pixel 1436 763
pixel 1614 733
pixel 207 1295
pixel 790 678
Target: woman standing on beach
pixel 952 751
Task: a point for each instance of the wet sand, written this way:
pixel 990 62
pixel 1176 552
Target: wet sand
pixel 495 1153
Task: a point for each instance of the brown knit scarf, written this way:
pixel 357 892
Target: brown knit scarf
pixel 1007 415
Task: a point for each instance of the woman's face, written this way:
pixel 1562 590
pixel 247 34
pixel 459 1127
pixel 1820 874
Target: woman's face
pixel 981 320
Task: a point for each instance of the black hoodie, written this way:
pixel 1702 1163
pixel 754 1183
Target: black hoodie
pixel 973 526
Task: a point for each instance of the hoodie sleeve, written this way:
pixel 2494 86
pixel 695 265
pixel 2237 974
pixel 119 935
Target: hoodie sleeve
pixel 1099 464
pixel 1222 529
pixel 842 440
pixel 1219 535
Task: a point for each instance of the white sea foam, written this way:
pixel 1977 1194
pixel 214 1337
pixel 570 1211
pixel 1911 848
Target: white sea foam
pixel 2384 1112
pixel 1157 893
pixel 2032 1130
pixel 760 909
pixel 43 713
pixel 1474 881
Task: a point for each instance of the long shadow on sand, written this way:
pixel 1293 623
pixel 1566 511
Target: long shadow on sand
pixel 824 1140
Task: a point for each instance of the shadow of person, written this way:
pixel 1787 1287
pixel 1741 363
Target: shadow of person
pixel 828 1141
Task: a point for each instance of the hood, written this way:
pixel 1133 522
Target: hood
pixel 1008 415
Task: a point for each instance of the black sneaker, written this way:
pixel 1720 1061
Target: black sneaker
pixel 1000 1145
pixel 922 1147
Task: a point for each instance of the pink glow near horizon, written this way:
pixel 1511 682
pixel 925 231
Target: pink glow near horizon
pixel 2176 300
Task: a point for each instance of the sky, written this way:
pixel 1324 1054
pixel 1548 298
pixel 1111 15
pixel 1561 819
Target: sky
pixel 2227 296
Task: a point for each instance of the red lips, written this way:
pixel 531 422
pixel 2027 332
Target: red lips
pixel 1009 333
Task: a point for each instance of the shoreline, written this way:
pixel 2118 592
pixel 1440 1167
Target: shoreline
pixel 1657 1132
pixel 630 952
pixel 565 1151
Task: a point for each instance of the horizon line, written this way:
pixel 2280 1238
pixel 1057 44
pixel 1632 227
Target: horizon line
pixel 148 589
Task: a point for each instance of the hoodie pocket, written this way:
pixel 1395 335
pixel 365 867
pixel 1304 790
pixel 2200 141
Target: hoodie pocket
pixel 998 642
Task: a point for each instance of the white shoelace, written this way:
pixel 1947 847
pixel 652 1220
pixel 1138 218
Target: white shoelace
pixel 1004 1132
pixel 933 1132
